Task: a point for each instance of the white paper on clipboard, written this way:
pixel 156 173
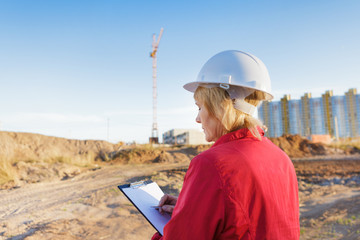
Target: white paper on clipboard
pixel 143 195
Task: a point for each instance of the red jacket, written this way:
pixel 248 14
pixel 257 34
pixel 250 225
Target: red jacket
pixel 241 188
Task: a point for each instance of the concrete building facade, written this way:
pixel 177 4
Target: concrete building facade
pixel 275 127
pixel 294 108
pixel 305 118
pixel 337 116
pixel 351 111
pixel 327 112
pixel 184 137
pixel 317 120
pixel 285 120
pixel 340 118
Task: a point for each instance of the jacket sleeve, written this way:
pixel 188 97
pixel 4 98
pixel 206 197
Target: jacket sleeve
pixel 156 236
pixel 199 211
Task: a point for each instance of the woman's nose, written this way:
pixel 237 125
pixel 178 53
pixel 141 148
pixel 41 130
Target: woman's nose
pixel 198 119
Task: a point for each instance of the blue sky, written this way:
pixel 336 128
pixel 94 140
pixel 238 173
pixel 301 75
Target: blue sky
pixel 75 69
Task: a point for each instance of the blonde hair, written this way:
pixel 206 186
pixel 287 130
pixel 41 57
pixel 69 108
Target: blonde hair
pixel 219 105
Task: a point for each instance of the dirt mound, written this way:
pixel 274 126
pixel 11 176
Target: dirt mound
pixel 348 149
pixel 29 158
pixel 148 154
pixel 296 146
pixel 138 155
pixel 30 146
pixel 40 171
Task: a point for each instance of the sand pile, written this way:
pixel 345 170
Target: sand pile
pixel 30 158
pixel 149 154
pixel 30 146
pixel 299 147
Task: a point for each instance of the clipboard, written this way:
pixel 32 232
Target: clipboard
pixel 143 195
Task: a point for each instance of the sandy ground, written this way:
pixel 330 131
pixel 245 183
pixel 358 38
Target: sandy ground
pixel 89 206
pixel 329 193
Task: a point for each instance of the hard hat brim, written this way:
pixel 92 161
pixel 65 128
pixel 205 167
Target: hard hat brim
pixel 192 86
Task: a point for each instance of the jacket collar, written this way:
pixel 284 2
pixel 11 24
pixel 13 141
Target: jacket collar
pixel 238 134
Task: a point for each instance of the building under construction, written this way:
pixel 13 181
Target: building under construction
pixel 337 116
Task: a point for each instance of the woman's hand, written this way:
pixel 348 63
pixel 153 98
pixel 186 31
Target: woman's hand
pixel 167 204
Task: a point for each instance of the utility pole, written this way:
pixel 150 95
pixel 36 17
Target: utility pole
pixel 154 133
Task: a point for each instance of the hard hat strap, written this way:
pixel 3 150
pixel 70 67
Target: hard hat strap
pixel 238 94
pixel 242 105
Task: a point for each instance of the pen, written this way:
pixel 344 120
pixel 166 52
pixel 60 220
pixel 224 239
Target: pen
pixel 156 207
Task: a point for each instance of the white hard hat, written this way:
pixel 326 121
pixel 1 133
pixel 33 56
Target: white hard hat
pixel 239 73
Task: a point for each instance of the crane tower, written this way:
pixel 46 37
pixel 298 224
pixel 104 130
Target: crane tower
pixel 154 133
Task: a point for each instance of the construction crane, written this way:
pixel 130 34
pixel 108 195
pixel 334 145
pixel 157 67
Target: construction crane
pixel 155 45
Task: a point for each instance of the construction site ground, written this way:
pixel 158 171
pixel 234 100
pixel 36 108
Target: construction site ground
pixel 59 201
pixel 89 206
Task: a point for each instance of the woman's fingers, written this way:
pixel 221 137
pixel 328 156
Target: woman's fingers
pixel 163 200
pixel 167 203
pixel 167 209
pixel 172 200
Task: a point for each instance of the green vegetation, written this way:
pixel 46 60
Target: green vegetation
pixel 86 160
pixel 346 144
pixel 8 167
pixel 346 221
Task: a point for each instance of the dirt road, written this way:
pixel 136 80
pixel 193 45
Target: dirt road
pixel 89 206
pixel 31 209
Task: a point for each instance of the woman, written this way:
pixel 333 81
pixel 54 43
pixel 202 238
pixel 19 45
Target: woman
pixel 243 187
